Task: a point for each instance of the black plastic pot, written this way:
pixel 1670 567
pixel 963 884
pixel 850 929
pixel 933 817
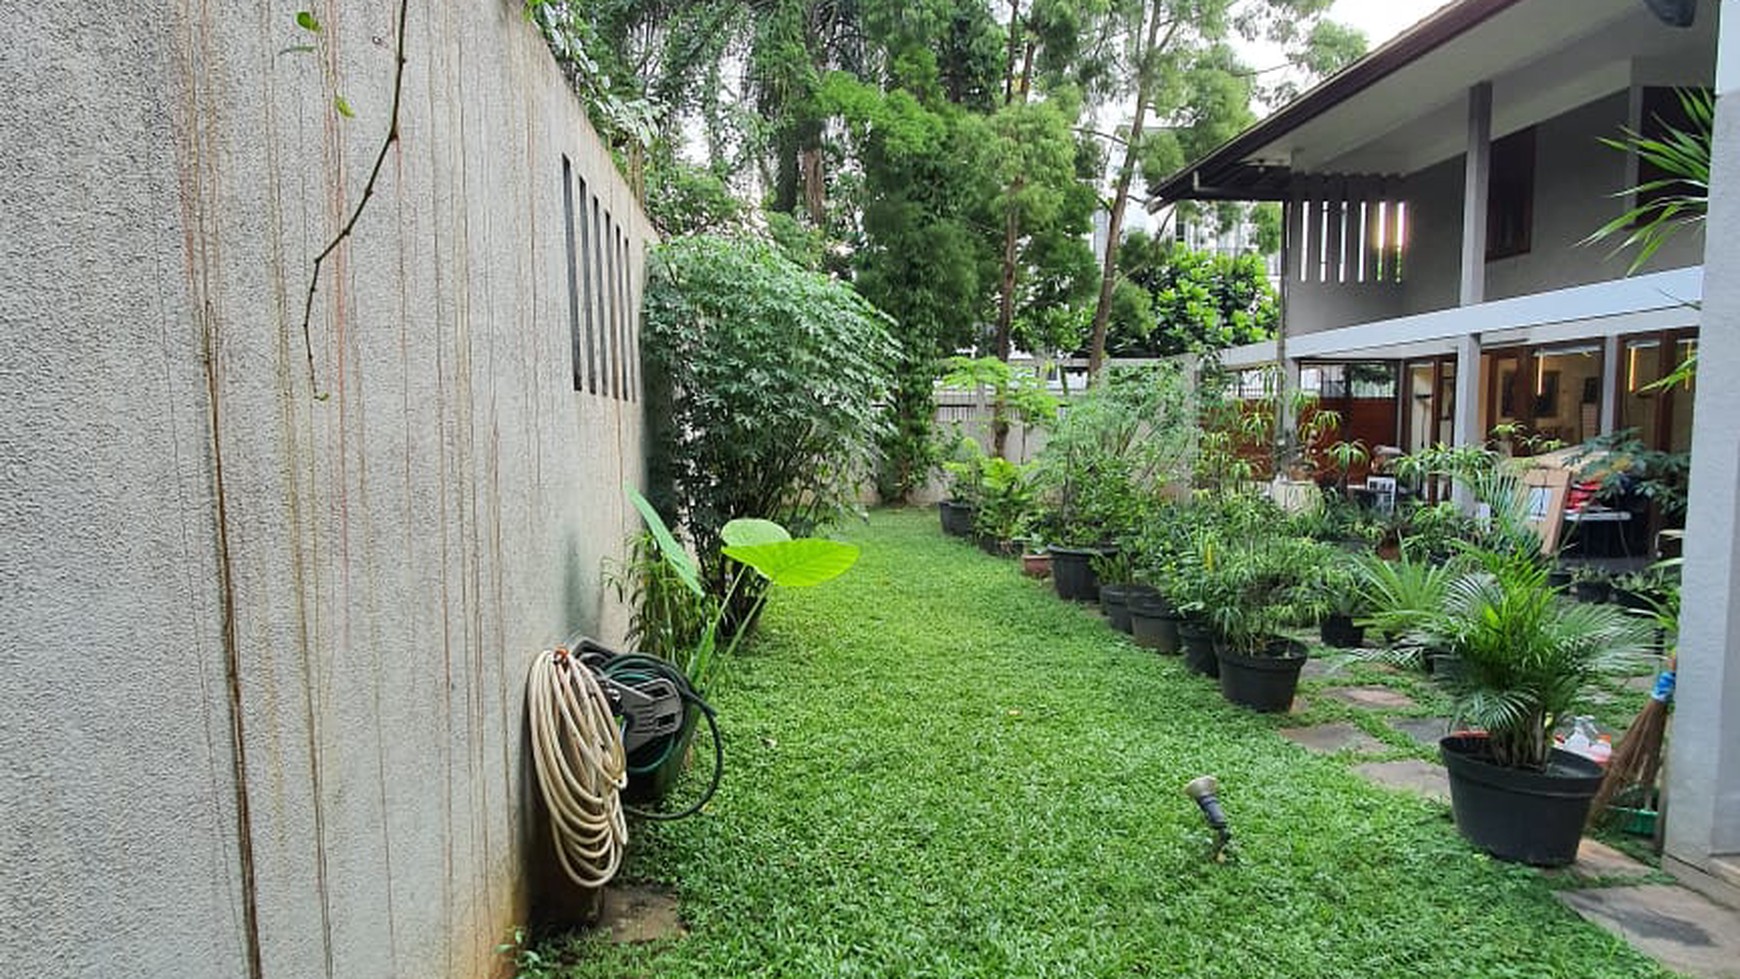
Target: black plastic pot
pixel 1115 602
pixel 1559 578
pixel 1197 641
pixel 1593 590
pixel 957 518
pixel 1072 573
pixel 1339 632
pixel 1154 623
pixel 1264 683
pixel 1518 815
pixel 1443 667
pixel 1636 601
pixel 995 546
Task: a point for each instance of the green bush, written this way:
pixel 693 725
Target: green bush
pixel 766 388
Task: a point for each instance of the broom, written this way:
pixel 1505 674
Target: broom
pixel 1637 760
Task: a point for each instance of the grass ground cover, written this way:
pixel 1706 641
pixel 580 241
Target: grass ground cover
pixel 935 768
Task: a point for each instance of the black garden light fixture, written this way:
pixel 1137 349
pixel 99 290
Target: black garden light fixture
pixel 1206 791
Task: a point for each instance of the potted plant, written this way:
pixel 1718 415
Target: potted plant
pixel 1116 579
pixel 965 470
pixel 1258 590
pixel 1006 505
pixel 1526 656
pixel 1334 585
pixel 1189 586
pixel 1591 584
pixel 1105 461
pixel 1035 559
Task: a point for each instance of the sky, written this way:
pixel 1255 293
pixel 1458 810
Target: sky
pixel 1382 19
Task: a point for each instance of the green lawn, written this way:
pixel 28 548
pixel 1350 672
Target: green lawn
pixel 935 768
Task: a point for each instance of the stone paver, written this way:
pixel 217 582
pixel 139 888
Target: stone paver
pixel 1679 928
pixel 1598 861
pixel 1371 697
pixel 638 913
pixel 1425 730
pixel 1412 775
pixel 1327 739
pixel 1317 668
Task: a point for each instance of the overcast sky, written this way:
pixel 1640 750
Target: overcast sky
pixel 1382 19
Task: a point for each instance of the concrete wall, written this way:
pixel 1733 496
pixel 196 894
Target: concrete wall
pixel 375 566
pixel 1703 771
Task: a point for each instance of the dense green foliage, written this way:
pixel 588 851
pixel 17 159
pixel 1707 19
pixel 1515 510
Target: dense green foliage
pixel 766 383
pixel 1181 301
pixel 1112 454
pixel 935 769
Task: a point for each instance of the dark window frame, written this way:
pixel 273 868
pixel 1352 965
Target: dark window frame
pixel 1510 200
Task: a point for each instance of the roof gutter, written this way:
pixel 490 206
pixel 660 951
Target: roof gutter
pixel 1430 34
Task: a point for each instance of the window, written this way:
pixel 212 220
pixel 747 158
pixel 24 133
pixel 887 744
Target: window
pixel 1510 204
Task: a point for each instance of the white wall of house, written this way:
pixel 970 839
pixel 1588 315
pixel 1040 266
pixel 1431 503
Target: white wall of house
pixel 397 551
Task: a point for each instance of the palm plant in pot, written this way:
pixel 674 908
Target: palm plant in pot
pixel 1189 584
pixel 1526 654
pixel 1258 590
pixel 1007 502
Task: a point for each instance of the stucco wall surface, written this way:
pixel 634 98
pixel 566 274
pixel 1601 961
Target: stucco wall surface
pixel 374 555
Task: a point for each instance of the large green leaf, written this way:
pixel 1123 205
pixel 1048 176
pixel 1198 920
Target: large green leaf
pixel 797 563
pixel 673 552
pixel 747 531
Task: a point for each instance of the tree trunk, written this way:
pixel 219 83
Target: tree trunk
pixel 1121 195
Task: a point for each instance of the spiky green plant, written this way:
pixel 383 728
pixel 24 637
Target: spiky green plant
pixel 1676 201
pixel 1400 595
pixel 1526 653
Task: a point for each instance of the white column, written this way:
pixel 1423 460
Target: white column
pixel 1610 357
pixel 1477 178
pixel 1703 802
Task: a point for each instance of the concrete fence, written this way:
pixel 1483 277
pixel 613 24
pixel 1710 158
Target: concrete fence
pixel 265 611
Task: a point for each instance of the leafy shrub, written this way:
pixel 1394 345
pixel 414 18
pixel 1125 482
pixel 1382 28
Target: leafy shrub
pixel 766 386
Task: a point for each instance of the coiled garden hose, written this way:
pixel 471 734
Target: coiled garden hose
pixel 577 751
pixel 628 669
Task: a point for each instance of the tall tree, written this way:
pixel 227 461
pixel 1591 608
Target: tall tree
pixel 1171 58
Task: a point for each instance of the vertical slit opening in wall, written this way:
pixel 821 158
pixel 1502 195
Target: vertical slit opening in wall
pixel 1381 231
pixel 1401 237
pixel 630 354
pixel 1322 233
pixel 1362 241
pixel 607 288
pixel 613 366
pixel 622 306
pixel 573 273
pixel 594 322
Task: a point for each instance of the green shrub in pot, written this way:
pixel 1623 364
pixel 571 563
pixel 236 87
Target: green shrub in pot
pixel 1526 654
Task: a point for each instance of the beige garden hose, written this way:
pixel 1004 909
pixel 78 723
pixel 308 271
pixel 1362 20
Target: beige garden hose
pixel 577 751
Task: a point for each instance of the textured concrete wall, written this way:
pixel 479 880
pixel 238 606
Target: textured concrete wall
pixel 1703 815
pixel 375 566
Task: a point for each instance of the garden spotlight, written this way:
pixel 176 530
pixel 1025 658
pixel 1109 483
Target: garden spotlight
pixel 1205 790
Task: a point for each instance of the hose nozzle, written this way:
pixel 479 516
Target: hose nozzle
pixel 1206 791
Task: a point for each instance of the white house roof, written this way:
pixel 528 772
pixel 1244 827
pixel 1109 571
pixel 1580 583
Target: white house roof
pixel 1401 108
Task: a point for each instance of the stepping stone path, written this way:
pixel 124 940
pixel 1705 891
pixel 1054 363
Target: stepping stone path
pixel 1425 730
pixel 1411 775
pixel 1371 697
pixel 1327 739
pixel 1676 926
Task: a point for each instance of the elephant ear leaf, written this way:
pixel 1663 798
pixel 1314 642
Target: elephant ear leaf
pixel 797 563
pixel 746 531
pixel 673 552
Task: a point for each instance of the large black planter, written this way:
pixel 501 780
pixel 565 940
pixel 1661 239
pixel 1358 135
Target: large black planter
pixel 1592 590
pixel 1115 602
pixel 1154 624
pixel 1264 683
pixel 1198 642
pixel 1522 816
pixel 995 546
pixel 1339 632
pixel 1072 573
pixel 957 518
